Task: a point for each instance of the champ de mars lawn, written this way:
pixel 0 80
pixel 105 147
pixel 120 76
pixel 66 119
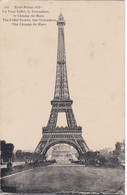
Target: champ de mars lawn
pixel 53 179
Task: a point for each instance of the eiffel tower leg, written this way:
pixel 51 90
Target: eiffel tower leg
pixel 70 118
pixel 81 144
pixel 53 118
pixel 42 145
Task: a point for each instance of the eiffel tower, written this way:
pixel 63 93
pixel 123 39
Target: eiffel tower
pixel 71 134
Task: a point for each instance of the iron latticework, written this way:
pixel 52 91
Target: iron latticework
pixel 71 134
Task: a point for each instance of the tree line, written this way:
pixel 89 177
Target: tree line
pixel 96 158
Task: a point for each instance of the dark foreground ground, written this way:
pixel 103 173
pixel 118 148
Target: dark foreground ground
pixel 65 179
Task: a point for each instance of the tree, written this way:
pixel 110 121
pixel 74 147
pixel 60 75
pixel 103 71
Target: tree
pixel 23 156
pixel 19 155
pixel 6 151
pixel 118 148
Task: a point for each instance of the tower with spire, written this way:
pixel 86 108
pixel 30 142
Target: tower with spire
pixel 70 134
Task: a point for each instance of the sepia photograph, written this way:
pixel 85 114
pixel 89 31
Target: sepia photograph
pixel 62 97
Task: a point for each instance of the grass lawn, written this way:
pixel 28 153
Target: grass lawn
pixel 65 178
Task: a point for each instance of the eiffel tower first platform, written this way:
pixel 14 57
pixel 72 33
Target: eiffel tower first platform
pixel 71 134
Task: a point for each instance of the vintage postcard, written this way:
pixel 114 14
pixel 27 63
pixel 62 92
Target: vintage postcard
pixel 62 97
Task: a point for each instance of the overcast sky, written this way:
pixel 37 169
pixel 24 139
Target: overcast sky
pixel 94 40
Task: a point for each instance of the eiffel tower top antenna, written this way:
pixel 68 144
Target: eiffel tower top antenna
pixel 60 10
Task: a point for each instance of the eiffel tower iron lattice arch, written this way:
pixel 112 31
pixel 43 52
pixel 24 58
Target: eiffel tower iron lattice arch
pixel 71 134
